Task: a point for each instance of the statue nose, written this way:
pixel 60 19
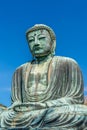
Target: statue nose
pixel 36 41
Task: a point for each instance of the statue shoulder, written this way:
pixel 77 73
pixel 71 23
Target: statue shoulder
pixel 68 60
pixel 23 66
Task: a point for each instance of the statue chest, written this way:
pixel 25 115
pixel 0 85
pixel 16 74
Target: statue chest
pixel 38 79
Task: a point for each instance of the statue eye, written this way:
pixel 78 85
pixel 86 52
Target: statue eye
pixel 31 40
pixel 41 38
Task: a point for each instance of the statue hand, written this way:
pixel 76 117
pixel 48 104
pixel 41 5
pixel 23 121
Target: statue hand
pixel 37 105
pixel 30 106
pixel 41 105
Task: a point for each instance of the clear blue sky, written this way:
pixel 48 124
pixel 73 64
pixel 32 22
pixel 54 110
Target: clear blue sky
pixel 68 18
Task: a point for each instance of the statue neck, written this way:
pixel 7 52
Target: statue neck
pixel 43 58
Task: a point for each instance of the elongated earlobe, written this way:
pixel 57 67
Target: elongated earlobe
pixel 53 47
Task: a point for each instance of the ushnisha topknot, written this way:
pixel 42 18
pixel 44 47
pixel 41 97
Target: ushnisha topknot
pixel 42 26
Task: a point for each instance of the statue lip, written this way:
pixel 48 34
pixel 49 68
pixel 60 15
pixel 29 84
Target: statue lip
pixel 37 48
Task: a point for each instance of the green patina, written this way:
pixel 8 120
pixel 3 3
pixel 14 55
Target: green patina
pixel 47 93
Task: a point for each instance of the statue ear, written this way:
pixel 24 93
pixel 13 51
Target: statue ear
pixel 53 47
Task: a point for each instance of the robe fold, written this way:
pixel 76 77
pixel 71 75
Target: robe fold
pixel 63 99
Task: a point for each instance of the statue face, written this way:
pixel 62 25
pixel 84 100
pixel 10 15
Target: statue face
pixel 39 42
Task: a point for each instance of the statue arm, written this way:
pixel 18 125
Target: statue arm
pixel 16 91
pixel 69 84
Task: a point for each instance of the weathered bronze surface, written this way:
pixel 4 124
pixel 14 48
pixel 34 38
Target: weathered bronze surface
pixel 47 93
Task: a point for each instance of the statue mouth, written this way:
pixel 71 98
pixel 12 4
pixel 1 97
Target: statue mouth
pixel 37 48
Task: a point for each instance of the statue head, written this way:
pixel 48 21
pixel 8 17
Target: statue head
pixel 41 40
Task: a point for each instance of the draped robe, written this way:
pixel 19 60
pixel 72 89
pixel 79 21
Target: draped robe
pixel 63 99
